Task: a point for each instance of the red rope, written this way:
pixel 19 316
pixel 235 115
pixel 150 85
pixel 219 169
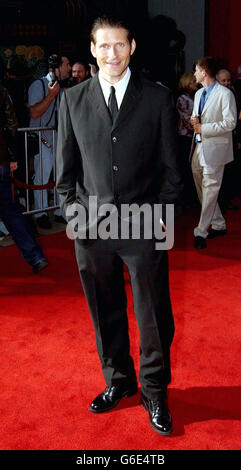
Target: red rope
pixel 20 184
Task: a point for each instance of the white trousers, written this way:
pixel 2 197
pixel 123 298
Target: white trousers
pixel 208 182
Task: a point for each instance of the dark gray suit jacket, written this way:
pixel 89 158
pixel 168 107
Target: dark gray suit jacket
pixel 133 160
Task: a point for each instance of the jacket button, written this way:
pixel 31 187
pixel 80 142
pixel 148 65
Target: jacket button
pixel 115 168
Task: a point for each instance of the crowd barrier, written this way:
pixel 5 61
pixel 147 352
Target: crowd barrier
pixel 27 184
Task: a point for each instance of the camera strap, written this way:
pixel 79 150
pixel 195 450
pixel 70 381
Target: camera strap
pixel 53 109
pixel 54 106
pixel 41 80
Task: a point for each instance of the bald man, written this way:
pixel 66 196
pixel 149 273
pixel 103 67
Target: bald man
pixel 229 183
pixel 80 71
pixel 224 78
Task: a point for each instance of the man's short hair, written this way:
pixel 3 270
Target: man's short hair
pixel 223 70
pixel 55 60
pixel 209 64
pixel 110 22
pixel 81 62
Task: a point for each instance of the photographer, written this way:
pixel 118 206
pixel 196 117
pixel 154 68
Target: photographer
pixel 43 100
pixel 13 219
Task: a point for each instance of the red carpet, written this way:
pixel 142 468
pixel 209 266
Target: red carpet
pixel 49 368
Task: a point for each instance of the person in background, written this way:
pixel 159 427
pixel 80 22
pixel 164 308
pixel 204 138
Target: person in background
pixel 10 214
pixel 237 87
pixel 186 90
pixel 43 101
pixel 231 176
pixel 224 78
pixel 80 71
pixel 213 119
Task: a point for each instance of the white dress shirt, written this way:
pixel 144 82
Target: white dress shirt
pixel 120 87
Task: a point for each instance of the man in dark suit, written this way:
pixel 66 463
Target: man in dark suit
pixel 117 141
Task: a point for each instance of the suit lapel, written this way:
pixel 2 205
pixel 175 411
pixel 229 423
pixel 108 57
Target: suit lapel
pixel 97 100
pixel 131 97
pixel 211 99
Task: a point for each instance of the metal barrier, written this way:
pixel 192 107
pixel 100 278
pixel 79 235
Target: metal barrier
pixel 41 187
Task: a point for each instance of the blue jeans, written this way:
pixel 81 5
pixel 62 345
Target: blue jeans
pixel 15 221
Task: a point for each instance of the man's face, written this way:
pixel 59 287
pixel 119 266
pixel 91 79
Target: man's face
pixel 64 69
pixel 199 74
pixel 79 72
pixel 224 78
pixel 112 51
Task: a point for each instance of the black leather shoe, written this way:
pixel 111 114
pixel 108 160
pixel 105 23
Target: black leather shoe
pixel 39 266
pixel 111 397
pixel 216 233
pixel 159 415
pixel 200 243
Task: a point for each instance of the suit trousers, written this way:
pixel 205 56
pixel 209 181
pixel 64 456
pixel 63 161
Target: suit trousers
pixel 208 182
pixel 100 265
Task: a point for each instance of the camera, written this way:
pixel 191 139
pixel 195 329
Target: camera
pixel 54 63
pixel 68 82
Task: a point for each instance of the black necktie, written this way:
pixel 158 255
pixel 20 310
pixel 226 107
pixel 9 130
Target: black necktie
pixel 202 102
pixel 112 103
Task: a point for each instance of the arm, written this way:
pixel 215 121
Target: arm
pixel 171 181
pixel 68 162
pixel 229 118
pixel 38 108
pixel 195 118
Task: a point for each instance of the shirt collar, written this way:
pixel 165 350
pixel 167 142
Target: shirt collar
pixel 209 88
pixel 120 87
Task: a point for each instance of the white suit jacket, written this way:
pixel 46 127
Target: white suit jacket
pixel 218 119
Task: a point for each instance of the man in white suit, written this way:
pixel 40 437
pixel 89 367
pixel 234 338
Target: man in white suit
pixel 213 119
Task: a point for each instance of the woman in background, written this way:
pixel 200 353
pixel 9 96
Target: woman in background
pixel 186 89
